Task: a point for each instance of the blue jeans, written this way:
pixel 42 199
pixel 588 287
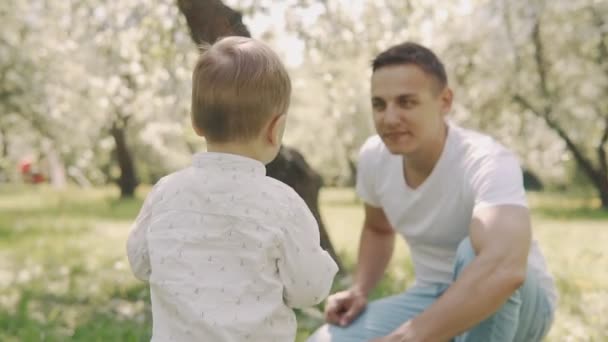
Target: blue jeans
pixel 525 317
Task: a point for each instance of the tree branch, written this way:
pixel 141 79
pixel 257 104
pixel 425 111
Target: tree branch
pixel 602 48
pixel 602 61
pixel 585 163
pixel 4 143
pixel 602 56
pixel 511 37
pixel 540 59
pixel 527 105
pixel 211 19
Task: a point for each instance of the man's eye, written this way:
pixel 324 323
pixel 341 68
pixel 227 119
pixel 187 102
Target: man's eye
pixel 377 105
pixel 407 103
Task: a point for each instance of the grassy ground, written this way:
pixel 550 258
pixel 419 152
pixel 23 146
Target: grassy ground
pixel 64 276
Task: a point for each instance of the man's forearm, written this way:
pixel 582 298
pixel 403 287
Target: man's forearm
pixel 482 288
pixel 500 236
pixel 375 252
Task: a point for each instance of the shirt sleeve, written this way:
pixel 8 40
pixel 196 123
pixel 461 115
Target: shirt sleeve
pixel 306 270
pixel 137 244
pixel 366 176
pixel 498 180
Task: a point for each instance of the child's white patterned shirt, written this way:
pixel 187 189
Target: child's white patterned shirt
pixel 227 252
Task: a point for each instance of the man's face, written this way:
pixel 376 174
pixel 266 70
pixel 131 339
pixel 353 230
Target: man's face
pixel 408 107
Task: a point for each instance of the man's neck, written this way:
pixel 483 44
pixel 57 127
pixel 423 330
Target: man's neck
pixel 419 165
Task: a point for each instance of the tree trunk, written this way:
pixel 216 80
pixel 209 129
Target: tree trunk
pixel 603 189
pixel 3 155
pixel 56 167
pixel 4 143
pixel 128 179
pixel 291 168
pixel 602 156
pixel 210 19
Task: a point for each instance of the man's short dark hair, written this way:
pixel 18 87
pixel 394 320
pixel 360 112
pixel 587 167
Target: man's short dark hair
pixel 416 54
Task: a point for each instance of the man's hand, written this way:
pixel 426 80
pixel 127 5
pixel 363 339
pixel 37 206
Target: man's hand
pixel 343 307
pixel 376 246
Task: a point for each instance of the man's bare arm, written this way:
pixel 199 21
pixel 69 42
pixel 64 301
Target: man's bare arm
pixel 501 237
pixel 375 249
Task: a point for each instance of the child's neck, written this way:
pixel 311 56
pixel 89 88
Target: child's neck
pixel 250 150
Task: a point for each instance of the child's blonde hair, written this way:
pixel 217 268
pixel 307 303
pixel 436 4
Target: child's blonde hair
pixel 238 84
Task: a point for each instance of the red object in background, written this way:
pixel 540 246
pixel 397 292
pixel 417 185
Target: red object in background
pixel 38 178
pixel 25 166
pixel 30 173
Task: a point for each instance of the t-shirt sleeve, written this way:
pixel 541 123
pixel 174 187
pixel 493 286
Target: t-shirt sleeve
pixel 497 179
pixel 366 172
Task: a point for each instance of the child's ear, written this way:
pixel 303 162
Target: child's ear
pixel 197 129
pixel 275 130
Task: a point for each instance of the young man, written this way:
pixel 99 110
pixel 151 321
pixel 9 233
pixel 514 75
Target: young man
pixel 457 198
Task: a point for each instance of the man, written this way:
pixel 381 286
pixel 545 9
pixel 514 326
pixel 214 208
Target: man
pixel 457 198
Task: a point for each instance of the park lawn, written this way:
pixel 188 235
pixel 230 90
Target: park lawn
pixel 64 274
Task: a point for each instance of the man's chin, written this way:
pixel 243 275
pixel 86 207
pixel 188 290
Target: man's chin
pixel 399 149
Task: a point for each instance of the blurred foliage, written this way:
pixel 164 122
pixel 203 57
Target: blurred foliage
pixel 71 70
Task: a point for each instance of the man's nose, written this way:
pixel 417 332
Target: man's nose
pixel 391 115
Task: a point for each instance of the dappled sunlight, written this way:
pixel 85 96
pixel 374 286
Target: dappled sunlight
pixel 127 310
pixel 575 250
pixel 62 267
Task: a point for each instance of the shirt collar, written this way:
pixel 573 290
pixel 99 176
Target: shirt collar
pixel 227 162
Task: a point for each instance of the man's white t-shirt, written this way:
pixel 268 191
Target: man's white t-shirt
pixel 474 171
pixel 227 252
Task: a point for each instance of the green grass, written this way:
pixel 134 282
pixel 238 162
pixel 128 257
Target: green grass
pixel 64 275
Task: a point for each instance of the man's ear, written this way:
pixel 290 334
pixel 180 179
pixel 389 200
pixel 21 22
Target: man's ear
pixel 447 96
pixel 274 132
